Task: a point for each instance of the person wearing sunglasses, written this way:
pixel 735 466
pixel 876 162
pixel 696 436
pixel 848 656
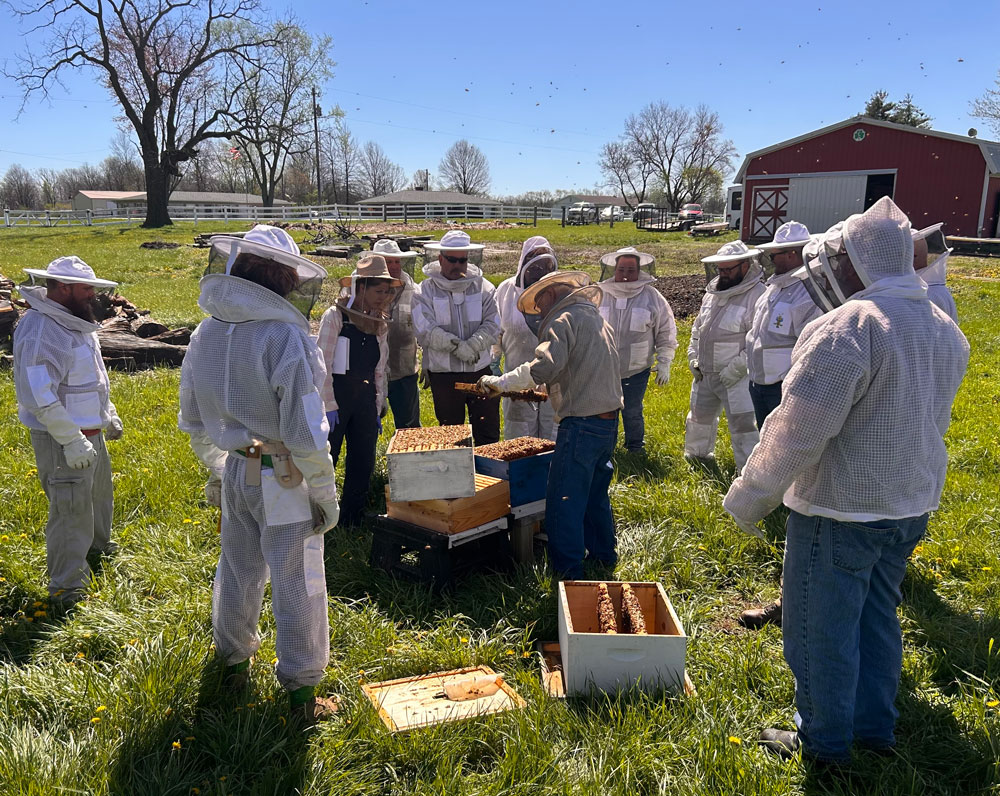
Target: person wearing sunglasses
pixel 717 356
pixel 457 323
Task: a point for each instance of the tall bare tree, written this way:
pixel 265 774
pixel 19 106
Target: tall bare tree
pixel 626 171
pixel 464 168
pixel 379 175
pixel 19 189
pixel 276 104
pixel 170 65
pixel 987 106
pixel 421 180
pixel 343 162
pixel 681 147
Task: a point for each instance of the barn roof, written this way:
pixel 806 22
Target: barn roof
pixel 428 198
pixel 113 195
pixel 989 149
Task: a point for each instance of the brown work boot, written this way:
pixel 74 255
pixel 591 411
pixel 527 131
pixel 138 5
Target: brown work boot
pixel 304 715
pixel 756 618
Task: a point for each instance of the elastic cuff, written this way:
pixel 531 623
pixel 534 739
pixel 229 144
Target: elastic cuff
pixel 301 695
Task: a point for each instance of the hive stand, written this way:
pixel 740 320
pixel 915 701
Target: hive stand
pixel 526 523
pixel 403 549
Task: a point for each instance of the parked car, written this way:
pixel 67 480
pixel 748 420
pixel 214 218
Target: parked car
pixel 643 210
pixel 581 213
pixel 690 212
pixel 613 213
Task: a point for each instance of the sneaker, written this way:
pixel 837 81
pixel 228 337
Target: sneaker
pixel 756 618
pixel 784 743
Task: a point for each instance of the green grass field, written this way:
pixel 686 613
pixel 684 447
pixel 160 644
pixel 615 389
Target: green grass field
pixel 120 696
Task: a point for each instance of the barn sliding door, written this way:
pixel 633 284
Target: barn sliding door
pixel 770 206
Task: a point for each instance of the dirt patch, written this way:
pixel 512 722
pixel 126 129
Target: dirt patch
pixel 393 228
pixel 683 292
pixel 159 244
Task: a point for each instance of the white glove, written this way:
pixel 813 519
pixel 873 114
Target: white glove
pixel 663 371
pixel 317 471
pixel 517 379
pixel 58 423
pixel 733 373
pixel 213 492
pixel 80 454
pixel 746 526
pixel 212 457
pixel 440 340
pixel 695 370
pixel 465 352
pixel 331 514
pixel 115 429
pixel 490 384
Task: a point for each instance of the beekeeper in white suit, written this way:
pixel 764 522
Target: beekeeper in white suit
pixel 717 356
pixel 517 341
pixel 856 452
pixel 457 323
pixel 249 389
pixel 930 261
pixel 644 325
pixel 63 398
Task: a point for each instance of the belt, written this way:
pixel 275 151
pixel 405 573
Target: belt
pixel 90 432
pixel 603 416
pixel 253 452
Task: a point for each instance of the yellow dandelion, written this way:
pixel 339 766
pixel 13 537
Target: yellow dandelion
pixel 95 720
pixel 993 703
pixel 100 708
pixel 222 778
pixel 4 538
pixel 987 569
pixel 168 711
pixel 509 652
pixel 60 592
pixel 274 662
pixel 189 738
pixel 954 562
pixel 23 536
pixel 39 613
pixel 195 791
pixel 176 744
pixel 80 655
pixel 735 740
pixel 28 619
pixel 525 654
pixel 145 469
pixel 196 522
pixel 37 604
pixel 187 520
pixel 3 580
pixel 464 640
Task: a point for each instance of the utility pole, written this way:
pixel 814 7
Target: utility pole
pixel 316 114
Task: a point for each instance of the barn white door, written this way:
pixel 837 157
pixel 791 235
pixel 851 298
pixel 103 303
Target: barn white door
pixel 770 203
pixel 820 202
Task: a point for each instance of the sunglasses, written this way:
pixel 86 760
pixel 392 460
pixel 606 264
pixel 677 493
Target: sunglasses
pixel 455 260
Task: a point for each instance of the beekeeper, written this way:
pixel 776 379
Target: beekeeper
pixel 517 341
pixel 577 361
pixel 643 324
pixel 855 451
pixel 717 356
pixel 250 389
pixel 930 261
pixel 353 338
pixel 63 398
pixel 402 369
pixel 457 323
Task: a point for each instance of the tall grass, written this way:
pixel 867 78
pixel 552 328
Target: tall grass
pixel 121 696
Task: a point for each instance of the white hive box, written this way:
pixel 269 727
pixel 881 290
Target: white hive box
pixel 431 463
pixel 609 661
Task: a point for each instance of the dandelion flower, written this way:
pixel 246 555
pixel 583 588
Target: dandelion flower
pixel 993 703
pixel 80 655
pixel 95 720
pixel 464 640
pixel 735 740
pixel 37 604
pixel 39 613
pixel 100 708
pixel 176 744
pixel 187 520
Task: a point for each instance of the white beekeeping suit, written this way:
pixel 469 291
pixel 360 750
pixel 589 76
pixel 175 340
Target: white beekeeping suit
pixel 63 398
pixel 449 311
pixel 518 342
pixel 717 359
pixel 643 322
pixel 935 272
pixel 250 376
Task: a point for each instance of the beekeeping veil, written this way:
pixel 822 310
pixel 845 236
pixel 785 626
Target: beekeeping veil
pixel 790 235
pixel 367 317
pixel 647 262
pixel 279 249
pixel 731 252
pixel 937 245
pixel 537 259
pixel 580 285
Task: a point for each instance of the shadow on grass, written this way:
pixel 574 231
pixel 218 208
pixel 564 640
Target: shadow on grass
pixel 18 635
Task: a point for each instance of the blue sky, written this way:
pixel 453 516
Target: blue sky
pixel 540 86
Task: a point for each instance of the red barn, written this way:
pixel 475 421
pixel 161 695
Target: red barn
pixel 824 176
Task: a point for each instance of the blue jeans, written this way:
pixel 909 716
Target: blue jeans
pixel 841 633
pixel 766 398
pixel 404 400
pixel 634 391
pixel 578 517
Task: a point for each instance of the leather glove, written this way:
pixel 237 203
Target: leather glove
pixel 733 373
pixel 330 514
pixel 115 430
pixel 440 340
pixel 490 384
pixel 495 368
pixel 213 492
pixel 423 379
pixel 333 418
pixel 465 352
pixel 663 373
pixel 80 454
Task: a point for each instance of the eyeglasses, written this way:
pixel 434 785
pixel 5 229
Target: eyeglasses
pixel 455 260
pixel 731 269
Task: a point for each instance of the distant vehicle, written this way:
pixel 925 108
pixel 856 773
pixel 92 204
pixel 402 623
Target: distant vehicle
pixel 613 213
pixel 643 210
pixel 690 212
pixel 734 205
pixel 581 213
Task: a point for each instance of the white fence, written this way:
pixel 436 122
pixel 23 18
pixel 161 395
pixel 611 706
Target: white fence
pixel 397 212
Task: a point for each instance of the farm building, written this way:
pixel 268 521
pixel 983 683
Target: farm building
pixel 204 202
pixel 824 176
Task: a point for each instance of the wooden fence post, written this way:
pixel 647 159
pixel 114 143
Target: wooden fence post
pixel 564 215
pixel 536 216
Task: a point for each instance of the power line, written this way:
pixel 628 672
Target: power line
pixel 52 157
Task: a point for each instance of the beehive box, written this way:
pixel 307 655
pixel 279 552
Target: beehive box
pixel 608 661
pixel 451 515
pixel 528 476
pixel 431 463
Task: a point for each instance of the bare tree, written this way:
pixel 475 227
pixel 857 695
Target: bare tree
pixel 379 175
pixel 123 168
pixel 170 65
pixel 988 106
pixel 18 189
pixel 681 147
pixel 626 171
pixel 276 103
pixel 464 168
pixel 48 184
pixel 343 161
pixel 422 180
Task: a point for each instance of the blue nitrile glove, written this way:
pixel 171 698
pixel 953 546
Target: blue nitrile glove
pixel 333 418
pixel 495 367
